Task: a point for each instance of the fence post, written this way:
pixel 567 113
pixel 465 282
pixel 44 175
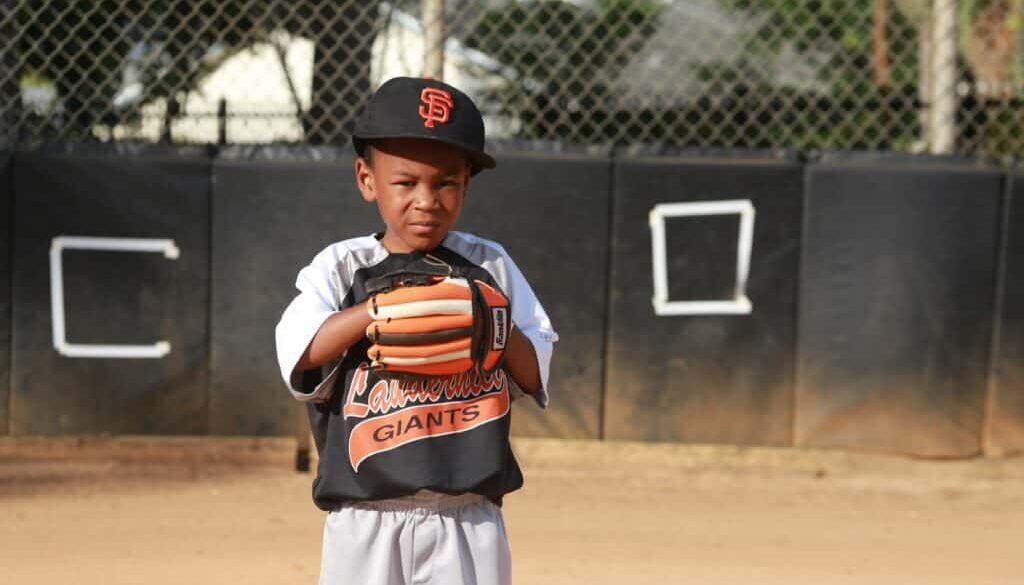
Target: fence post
pixel 222 121
pixel 942 113
pixel 172 112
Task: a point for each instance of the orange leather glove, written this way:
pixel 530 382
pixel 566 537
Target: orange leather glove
pixel 438 326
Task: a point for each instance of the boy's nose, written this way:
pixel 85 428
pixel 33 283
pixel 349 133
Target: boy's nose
pixel 427 198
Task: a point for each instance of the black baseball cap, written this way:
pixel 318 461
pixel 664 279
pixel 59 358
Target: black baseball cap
pixel 414 107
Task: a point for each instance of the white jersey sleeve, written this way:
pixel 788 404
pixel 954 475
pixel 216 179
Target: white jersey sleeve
pixel 528 314
pixel 323 286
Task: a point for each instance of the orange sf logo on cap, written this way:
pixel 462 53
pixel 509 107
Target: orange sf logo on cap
pixel 436 107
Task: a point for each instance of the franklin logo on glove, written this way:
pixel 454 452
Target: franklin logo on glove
pixel 498 317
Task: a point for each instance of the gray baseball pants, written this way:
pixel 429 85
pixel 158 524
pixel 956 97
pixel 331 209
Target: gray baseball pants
pixel 428 538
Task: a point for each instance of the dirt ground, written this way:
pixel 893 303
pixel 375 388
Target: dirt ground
pixel 142 511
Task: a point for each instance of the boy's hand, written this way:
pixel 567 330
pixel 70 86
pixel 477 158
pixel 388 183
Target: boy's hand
pixel 439 327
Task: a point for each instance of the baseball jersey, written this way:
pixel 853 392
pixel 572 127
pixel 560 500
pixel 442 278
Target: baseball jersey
pixel 384 438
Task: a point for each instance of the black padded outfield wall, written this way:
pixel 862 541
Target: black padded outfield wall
pixel 1006 407
pixel 896 306
pixel 271 216
pixel 6 202
pixel 707 356
pixel 718 298
pixel 551 214
pixel 126 240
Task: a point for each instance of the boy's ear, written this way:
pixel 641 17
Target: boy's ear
pixel 365 180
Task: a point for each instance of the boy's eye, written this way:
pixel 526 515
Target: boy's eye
pixel 404 183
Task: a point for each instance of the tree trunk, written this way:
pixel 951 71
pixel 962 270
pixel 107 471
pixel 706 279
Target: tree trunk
pixel 881 71
pixel 924 81
pixel 433 38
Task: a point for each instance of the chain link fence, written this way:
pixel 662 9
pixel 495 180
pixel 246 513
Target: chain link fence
pixel 906 75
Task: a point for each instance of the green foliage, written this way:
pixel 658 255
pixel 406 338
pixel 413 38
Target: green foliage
pixel 85 46
pixel 561 49
pixel 856 113
pixel 567 50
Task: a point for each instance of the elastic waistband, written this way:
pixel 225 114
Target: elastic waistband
pixel 423 500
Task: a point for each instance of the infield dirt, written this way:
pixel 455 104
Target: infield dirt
pixel 211 511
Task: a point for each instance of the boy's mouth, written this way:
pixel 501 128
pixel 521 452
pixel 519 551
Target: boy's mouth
pixel 424 227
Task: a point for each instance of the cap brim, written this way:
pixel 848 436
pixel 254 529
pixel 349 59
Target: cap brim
pixel 478 159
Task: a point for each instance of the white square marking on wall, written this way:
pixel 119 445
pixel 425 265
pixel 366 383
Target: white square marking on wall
pixel 739 304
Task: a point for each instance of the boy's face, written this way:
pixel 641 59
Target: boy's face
pixel 419 186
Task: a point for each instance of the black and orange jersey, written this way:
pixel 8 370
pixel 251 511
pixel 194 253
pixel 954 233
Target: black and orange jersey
pixel 384 438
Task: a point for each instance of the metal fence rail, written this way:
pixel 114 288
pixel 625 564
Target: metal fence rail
pixel 909 75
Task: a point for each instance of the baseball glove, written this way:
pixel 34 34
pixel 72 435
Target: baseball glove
pixel 427 323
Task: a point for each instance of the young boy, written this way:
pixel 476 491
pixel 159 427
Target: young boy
pixel 412 470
